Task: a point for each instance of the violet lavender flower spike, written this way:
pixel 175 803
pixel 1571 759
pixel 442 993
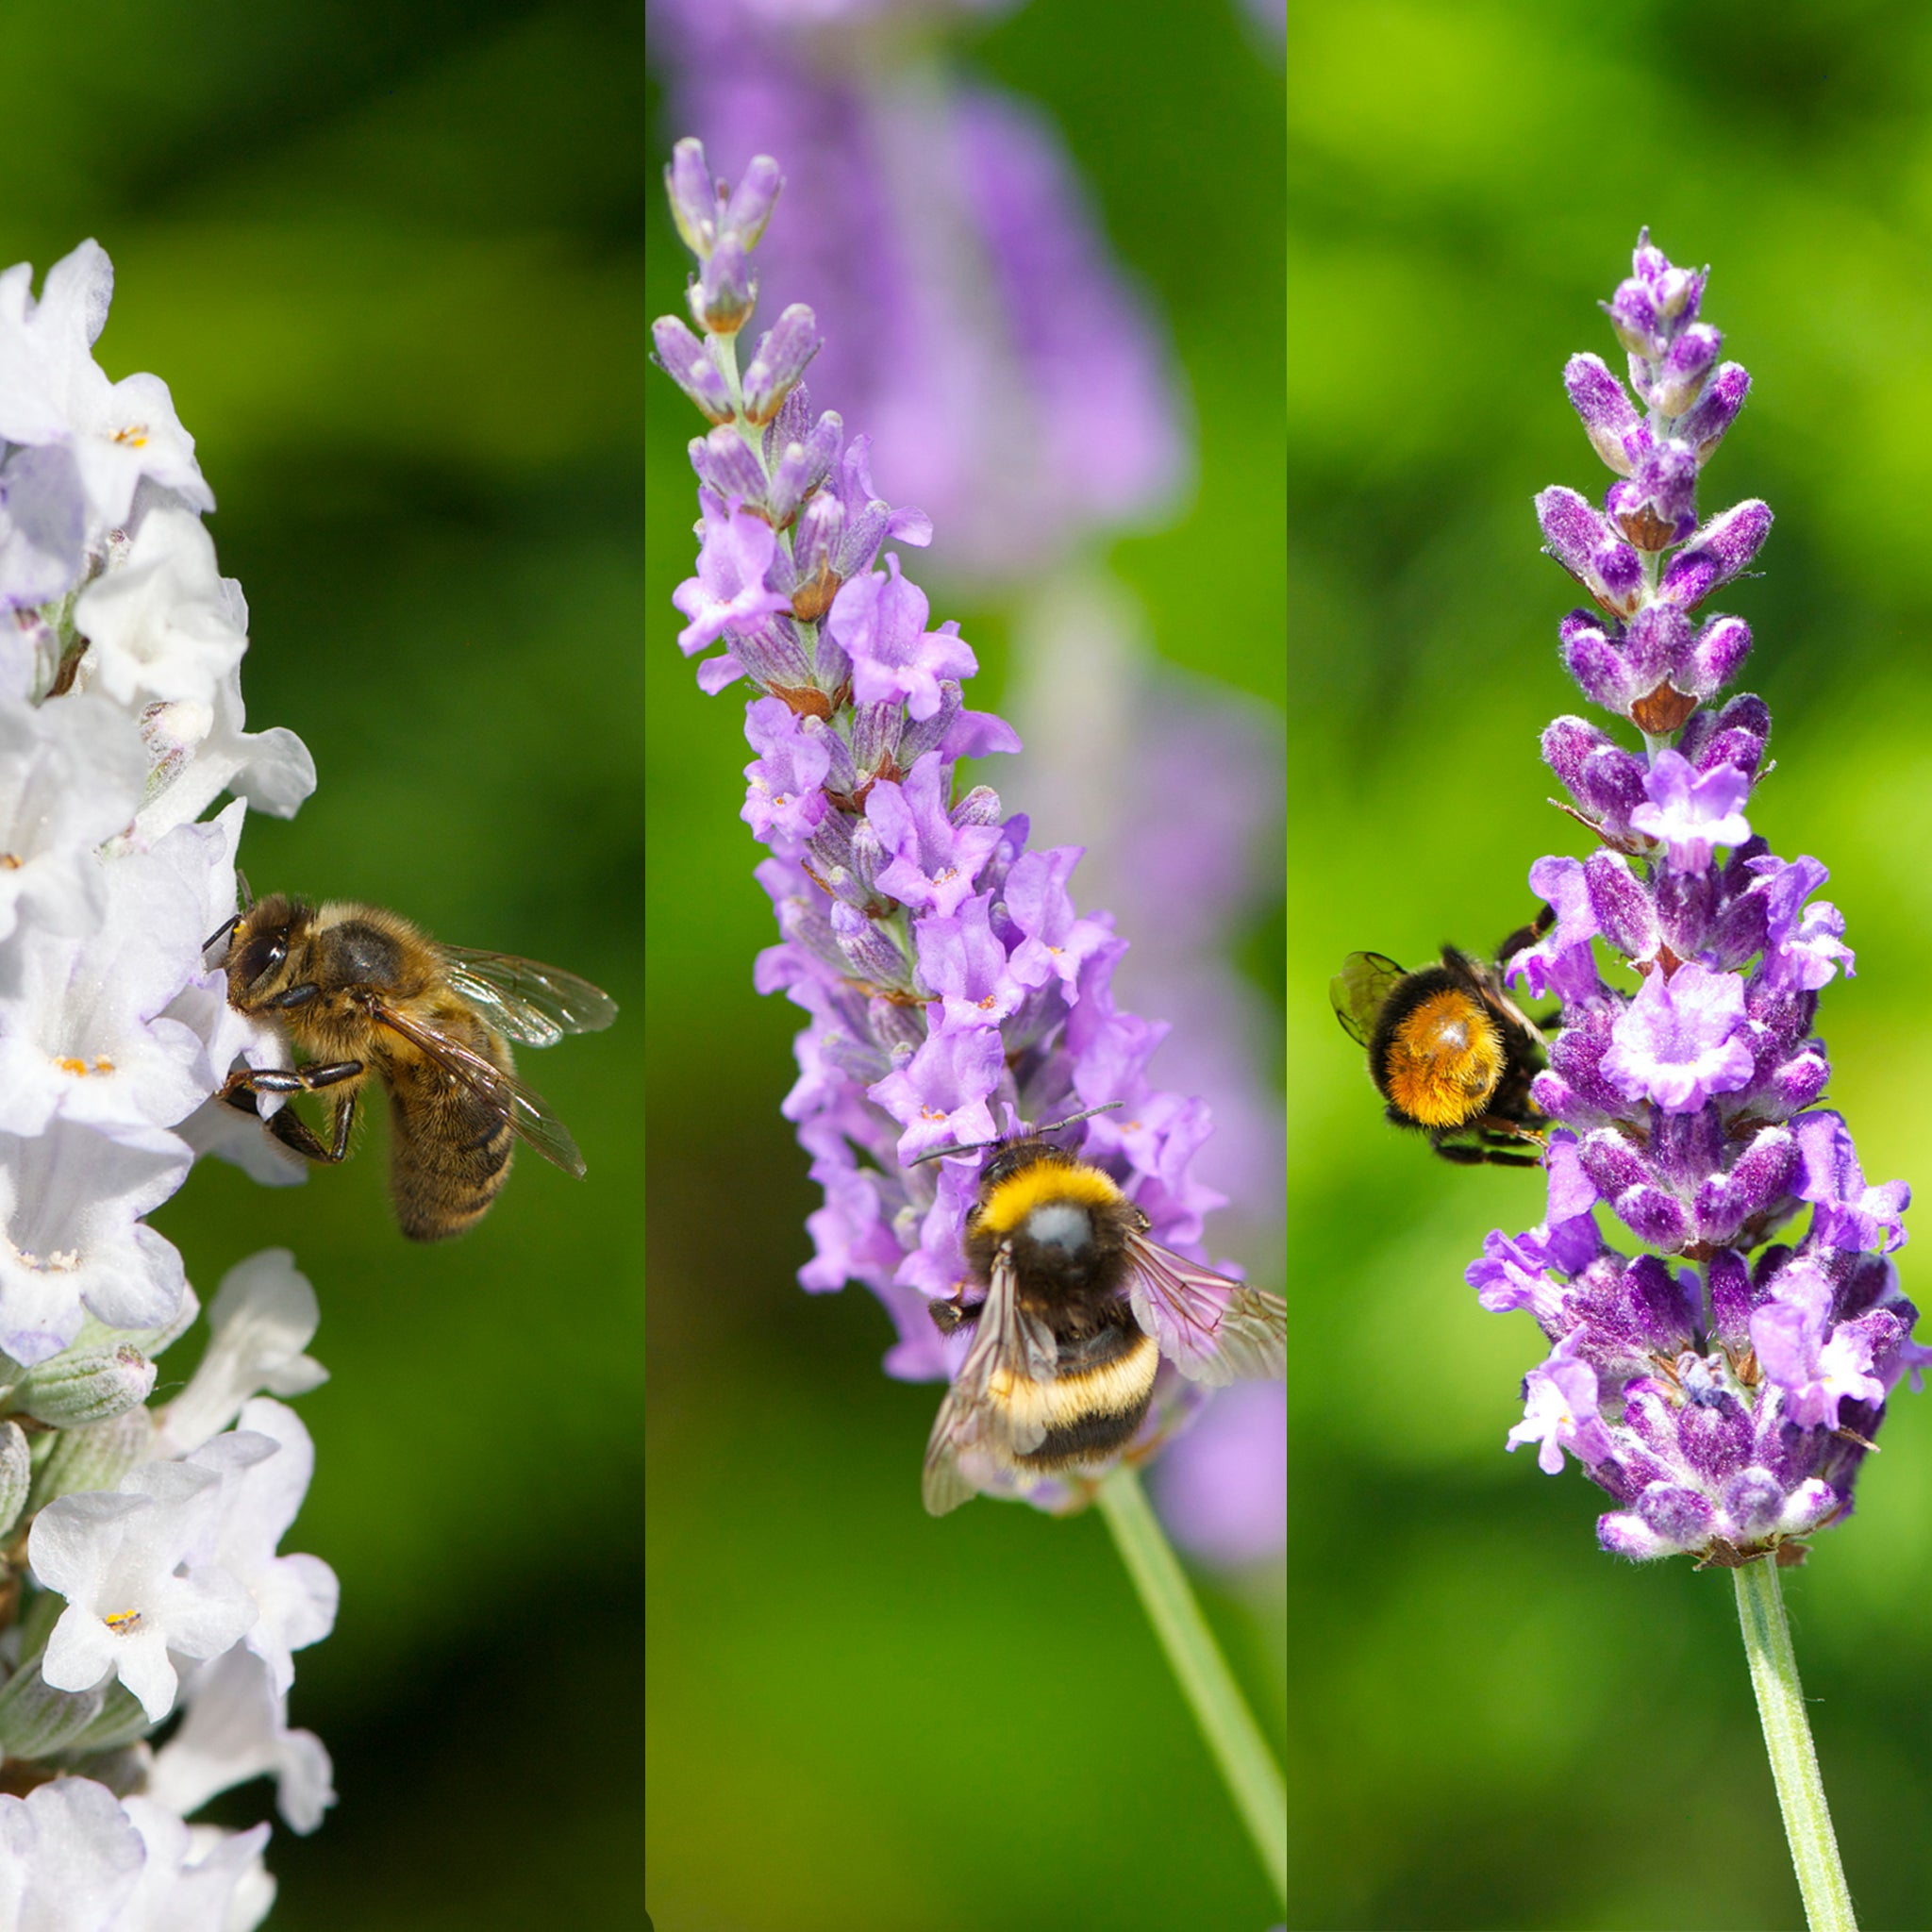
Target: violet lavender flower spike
pixel 1719 1392
pixel 954 989
pixel 1725 1386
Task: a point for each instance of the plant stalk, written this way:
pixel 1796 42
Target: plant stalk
pixel 1787 1740
pixel 1254 1780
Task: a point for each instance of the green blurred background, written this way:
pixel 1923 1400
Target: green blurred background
pixel 387 261
pixel 1493 1723
pixel 861 1718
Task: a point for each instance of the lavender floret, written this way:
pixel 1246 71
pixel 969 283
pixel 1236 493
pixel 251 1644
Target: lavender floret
pixel 1725 1402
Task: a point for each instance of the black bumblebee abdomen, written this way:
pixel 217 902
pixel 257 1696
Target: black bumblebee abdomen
pixel 1100 1395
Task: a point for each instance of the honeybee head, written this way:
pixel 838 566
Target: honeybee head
pixel 260 942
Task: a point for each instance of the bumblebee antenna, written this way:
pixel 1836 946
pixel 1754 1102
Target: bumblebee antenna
pixel 221 932
pixel 247 897
pixel 1050 1127
pixel 1054 1126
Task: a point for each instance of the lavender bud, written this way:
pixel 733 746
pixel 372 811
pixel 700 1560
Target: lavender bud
pixel 1715 410
pixel 85 1385
pixel 772 652
pixel 1584 544
pixel 694 198
pixel 1654 1216
pixel 1624 910
pixel 1613 1165
pixel 800 465
pixel 1716 656
pixel 1686 364
pixel 1657 643
pixel 867 950
pixel 685 360
pixel 751 203
pixel 1615 430
pixel 1719 552
pixel 1605 779
pixel 1657 507
pixel 724 460
pixel 875 729
pixel 980 807
pixel 1595 660
pixel 724 290
pixel 1634 317
pixel 779 361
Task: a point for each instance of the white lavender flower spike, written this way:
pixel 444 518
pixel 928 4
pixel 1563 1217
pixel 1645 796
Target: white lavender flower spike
pixel 141 1544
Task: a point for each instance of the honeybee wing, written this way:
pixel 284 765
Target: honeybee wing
pixel 525 1112
pixel 1358 992
pixel 1009 1344
pixel 1213 1328
pixel 532 1004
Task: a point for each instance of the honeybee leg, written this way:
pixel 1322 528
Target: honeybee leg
pixel 287 1126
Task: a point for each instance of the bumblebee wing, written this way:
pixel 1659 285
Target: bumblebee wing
pixel 1008 1345
pixel 532 1004
pixel 514 1104
pixel 1213 1328
pixel 1359 991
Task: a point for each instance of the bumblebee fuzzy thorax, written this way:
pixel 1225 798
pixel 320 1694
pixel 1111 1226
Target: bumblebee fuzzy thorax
pixel 1065 1223
pixel 1443 1058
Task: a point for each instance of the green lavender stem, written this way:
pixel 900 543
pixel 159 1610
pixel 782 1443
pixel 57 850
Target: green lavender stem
pixel 1252 1777
pixel 1788 1740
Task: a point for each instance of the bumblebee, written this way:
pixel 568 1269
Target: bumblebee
pixel 1449 1050
pixel 1078 1307
pixel 362 994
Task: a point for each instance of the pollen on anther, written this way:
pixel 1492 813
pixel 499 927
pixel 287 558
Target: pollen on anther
pixel 123 1623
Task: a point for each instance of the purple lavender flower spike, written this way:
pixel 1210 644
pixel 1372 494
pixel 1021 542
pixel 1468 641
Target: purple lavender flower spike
pixel 952 988
pixel 1722 1403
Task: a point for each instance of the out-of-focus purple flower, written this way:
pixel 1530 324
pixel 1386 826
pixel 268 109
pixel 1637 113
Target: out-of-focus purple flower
pixel 1223 1486
pixel 1726 1408
pixel 971 312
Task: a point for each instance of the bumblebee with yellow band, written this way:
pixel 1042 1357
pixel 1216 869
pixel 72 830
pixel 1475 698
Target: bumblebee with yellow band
pixel 1078 1309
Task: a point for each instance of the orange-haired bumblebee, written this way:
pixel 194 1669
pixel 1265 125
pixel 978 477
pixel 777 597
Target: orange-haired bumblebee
pixel 1449 1051
pixel 1079 1306
pixel 363 992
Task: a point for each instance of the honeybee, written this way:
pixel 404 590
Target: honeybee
pixel 1078 1309
pixel 1449 1050
pixel 358 993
